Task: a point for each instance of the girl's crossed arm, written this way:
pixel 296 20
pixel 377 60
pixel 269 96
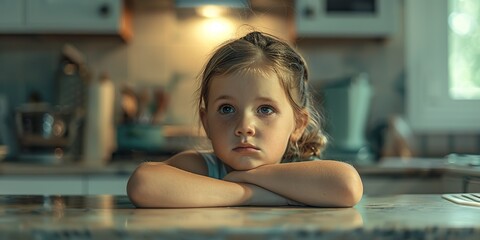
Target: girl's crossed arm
pixel 315 183
pixel 180 182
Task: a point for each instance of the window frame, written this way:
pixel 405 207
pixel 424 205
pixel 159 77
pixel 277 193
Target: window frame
pixel 427 73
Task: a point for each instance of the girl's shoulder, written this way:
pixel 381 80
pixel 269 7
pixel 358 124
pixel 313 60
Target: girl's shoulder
pixel 191 161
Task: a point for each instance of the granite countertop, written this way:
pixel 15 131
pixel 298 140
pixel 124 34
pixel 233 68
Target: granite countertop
pixel 113 217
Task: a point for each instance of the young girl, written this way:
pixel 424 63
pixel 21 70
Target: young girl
pixel 255 106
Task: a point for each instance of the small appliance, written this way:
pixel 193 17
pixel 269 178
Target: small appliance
pixel 45 135
pixel 346 104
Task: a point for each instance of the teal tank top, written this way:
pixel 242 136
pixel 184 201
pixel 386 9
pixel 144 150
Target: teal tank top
pixel 216 168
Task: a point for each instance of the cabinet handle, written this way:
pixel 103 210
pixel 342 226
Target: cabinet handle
pixel 308 12
pixel 104 10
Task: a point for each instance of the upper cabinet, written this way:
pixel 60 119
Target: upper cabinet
pixel 93 17
pixel 11 14
pixel 347 18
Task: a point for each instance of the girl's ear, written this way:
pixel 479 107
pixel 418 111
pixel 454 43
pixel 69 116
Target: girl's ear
pixel 203 118
pixel 300 125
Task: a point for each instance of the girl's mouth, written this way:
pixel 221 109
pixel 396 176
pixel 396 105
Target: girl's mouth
pixel 246 148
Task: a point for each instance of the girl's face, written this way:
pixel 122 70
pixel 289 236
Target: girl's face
pixel 249 120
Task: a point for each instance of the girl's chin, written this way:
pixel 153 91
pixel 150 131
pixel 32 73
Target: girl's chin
pixel 245 166
pixel 243 163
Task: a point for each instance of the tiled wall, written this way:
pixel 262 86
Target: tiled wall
pixel 169 42
pixel 25 67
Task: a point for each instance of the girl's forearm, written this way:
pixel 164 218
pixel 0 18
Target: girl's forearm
pixel 161 185
pixel 316 183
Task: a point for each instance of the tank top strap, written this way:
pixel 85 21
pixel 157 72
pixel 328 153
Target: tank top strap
pixel 216 168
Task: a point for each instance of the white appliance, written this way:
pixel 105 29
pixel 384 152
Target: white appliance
pixel 346 109
pixel 346 18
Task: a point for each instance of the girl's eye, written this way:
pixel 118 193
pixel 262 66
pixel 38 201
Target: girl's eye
pixel 226 109
pixel 266 110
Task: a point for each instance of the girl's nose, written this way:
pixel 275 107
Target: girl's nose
pixel 245 126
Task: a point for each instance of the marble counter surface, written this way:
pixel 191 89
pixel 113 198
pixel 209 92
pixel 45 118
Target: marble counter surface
pixel 113 217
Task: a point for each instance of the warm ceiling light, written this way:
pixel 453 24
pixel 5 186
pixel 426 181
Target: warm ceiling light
pixel 217 28
pixel 211 11
pixel 224 3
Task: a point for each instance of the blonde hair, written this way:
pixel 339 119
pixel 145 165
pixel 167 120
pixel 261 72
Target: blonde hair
pixel 259 52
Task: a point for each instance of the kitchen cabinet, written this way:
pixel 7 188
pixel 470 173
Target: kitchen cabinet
pixel 346 19
pixel 108 184
pixel 42 185
pixel 11 14
pixel 94 17
pixel 419 176
pixel 384 185
pixel 111 184
pixel 453 184
pixel 473 185
pixel 461 183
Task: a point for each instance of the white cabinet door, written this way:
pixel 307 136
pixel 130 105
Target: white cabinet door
pixel 473 185
pixel 73 16
pixel 11 14
pixel 113 185
pixel 384 185
pixel 453 184
pixel 105 17
pixel 461 184
pixel 42 185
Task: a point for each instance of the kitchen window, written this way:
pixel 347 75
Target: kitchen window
pixel 464 49
pixel 443 65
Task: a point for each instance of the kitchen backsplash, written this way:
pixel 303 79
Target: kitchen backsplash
pixel 170 43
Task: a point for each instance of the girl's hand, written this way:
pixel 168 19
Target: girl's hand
pixel 242 177
pixel 316 183
pixel 259 195
pixel 236 176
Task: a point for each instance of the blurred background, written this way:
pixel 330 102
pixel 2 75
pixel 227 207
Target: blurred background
pixel 109 80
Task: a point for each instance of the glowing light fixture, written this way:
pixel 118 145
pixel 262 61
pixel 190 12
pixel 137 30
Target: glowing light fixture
pixel 210 11
pixel 212 8
pixel 223 3
pixel 217 27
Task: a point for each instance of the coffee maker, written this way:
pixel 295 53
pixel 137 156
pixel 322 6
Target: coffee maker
pixel 44 134
pixel 346 104
pixel 52 132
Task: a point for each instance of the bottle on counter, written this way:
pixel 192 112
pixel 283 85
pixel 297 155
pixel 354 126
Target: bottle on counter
pixel 99 137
